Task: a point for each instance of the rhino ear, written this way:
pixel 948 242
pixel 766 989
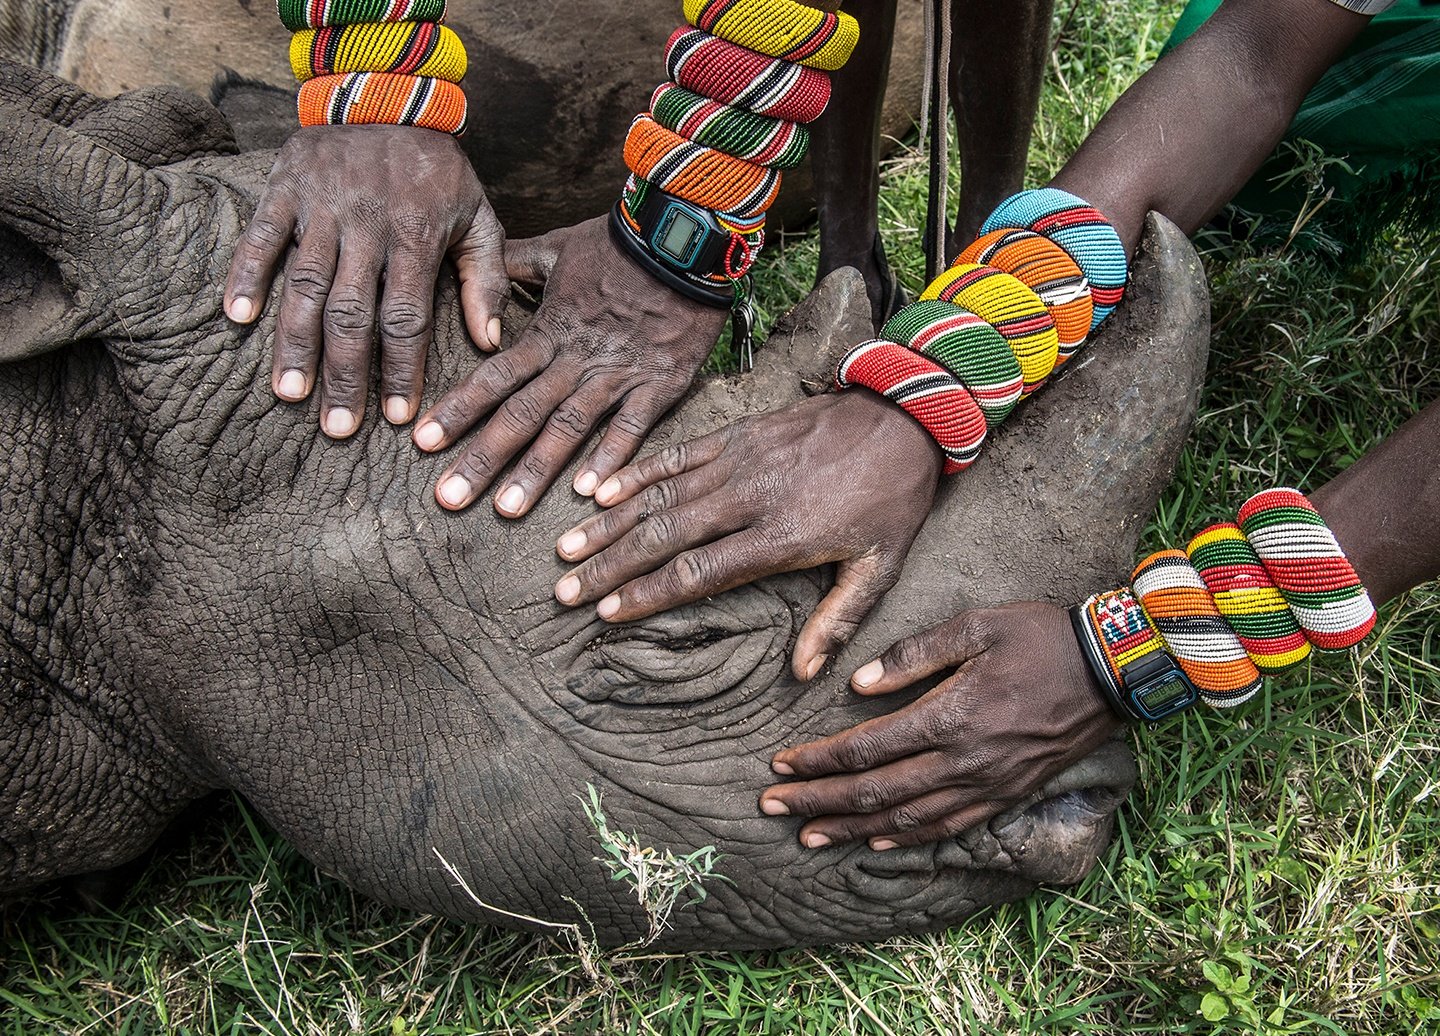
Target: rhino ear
pixel 131 254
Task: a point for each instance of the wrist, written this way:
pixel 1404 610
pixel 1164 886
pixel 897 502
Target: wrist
pixel 889 421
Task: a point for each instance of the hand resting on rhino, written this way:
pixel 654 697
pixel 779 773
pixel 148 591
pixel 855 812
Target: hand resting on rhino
pixel 201 594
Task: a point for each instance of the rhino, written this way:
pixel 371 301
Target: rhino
pixel 551 94
pixel 200 593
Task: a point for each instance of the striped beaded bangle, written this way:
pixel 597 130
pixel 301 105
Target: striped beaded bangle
pixel 407 48
pixel 1308 567
pixel 361 98
pixel 773 143
pixel 1245 596
pixel 968 347
pixel 730 74
pixel 702 175
pixel 315 14
pixel 1012 308
pixel 779 29
pixel 1179 604
pixel 1080 230
pixel 925 390
pixel 1047 270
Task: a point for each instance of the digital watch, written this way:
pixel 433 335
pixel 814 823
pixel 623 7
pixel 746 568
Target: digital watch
pixel 1138 677
pixel 683 246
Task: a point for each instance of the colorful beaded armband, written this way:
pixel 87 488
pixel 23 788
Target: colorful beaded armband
pixel 387 62
pixel 1248 600
pixel 1044 273
pixel 706 160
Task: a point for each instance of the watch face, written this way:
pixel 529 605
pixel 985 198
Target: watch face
pixel 679 236
pixel 1164 695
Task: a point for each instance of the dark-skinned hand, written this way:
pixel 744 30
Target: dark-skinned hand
pixel 607 336
pixel 771 493
pixel 372 211
pixel 1020 708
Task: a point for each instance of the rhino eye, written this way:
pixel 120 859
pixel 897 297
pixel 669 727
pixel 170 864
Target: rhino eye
pixel 688 655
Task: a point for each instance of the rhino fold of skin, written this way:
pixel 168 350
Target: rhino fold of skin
pixel 200 592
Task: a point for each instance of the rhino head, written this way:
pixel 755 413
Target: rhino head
pixel 203 593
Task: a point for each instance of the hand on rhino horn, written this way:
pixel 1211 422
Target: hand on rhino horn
pixel 607 336
pixel 846 478
pixel 1021 708
pixel 372 211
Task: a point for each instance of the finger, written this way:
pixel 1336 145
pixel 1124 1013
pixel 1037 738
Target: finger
pixel 480 260
pixel 349 326
pixel 695 574
pixel 564 433
pixel 624 436
pixel 925 812
pixel 494 380
pixel 531 260
pixel 951 643
pixel 407 321
pixel 859 585
pixel 949 826
pixel 669 462
pixel 867 745
pixel 871 791
pixel 651 543
pixel 514 424
pixel 257 255
pixel 299 323
pixel 604 528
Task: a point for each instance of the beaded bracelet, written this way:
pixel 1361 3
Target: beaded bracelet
pixel 1012 308
pixel 780 29
pixel 408 48
pixel 703 175
pixel 363 98
pixel 774 143
pixel 728 73
pixel 316 14
pixel 925 390
pixel 1249 600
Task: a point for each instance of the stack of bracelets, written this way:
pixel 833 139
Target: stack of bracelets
pixel 376 61
pixel 986 333
pixel 1243 601
pixel 706 159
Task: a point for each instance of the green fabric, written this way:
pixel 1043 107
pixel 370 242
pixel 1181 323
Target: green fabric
pixel 1378 109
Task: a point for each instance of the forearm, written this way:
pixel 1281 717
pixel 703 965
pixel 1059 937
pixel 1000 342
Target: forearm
pixel 1191 131
pixel 1385 508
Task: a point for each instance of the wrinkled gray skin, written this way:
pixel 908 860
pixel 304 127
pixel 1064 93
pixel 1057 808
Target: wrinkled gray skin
pixel 551 94
pixel 201 593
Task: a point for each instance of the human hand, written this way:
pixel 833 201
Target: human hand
pixel 372 211
pixel 607 335
pixel 1021 707
pixel 846 477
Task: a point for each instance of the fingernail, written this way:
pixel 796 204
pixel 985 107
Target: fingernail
pixel 774 808
pixel 339 422
pixel 455 491
pixel 572 543
pixel 511 500
pixel 567 591
pixel 241 309
pixel 881 844
pixel 292 385
pixel 585 483
pixel 608 491
pixel 492 331
pixel 868 673
pixel 429 435
pixel 815 666
pixel 816 841
pixel 783 769
pixel 609 606
pixel 397 409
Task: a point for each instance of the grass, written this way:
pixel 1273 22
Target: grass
pixel 1275 869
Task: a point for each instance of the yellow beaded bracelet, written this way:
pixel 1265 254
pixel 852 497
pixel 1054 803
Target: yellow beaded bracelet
pixel 779 29
pixel 406 48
